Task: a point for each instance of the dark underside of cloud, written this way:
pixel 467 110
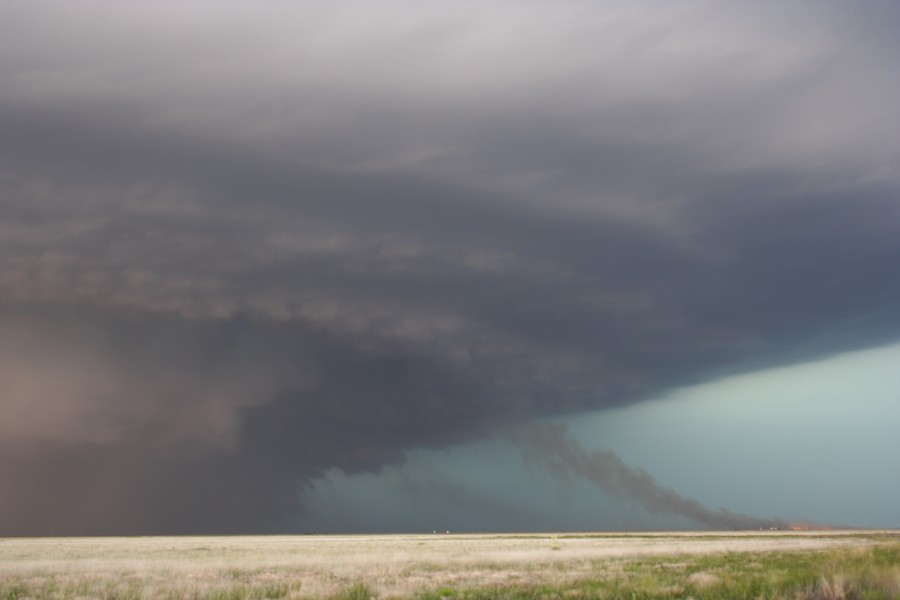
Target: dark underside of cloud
pixel 236 255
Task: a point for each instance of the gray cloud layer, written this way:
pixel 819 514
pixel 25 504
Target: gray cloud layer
pixel 242 243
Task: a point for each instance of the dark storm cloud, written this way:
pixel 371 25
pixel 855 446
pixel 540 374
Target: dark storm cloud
pixel 242 244
pixel 153 430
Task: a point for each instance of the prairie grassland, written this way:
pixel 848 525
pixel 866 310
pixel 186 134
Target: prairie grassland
pixel 808 565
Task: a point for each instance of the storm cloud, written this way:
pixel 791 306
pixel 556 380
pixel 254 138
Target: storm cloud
pixel 245 243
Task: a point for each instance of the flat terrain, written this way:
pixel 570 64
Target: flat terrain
pixel 399 565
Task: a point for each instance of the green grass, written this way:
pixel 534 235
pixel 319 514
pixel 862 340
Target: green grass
pixel 870 574
pixel 357 591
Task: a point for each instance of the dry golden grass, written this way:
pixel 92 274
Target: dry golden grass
pixel 385 566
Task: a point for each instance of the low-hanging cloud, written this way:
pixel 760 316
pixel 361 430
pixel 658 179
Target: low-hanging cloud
pixel 276 239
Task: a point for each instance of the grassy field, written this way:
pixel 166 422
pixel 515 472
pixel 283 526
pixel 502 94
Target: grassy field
pixel 805 565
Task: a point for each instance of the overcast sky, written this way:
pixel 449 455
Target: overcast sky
pixel 402 266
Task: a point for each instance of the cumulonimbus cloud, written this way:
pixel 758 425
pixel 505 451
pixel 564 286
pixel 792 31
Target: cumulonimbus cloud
pixel 279 239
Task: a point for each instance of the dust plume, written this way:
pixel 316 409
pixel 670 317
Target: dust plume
pixel 550 446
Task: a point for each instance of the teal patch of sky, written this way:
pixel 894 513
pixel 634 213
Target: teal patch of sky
pixel 819 440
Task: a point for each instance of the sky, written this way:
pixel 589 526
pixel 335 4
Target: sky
pixel 272 267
